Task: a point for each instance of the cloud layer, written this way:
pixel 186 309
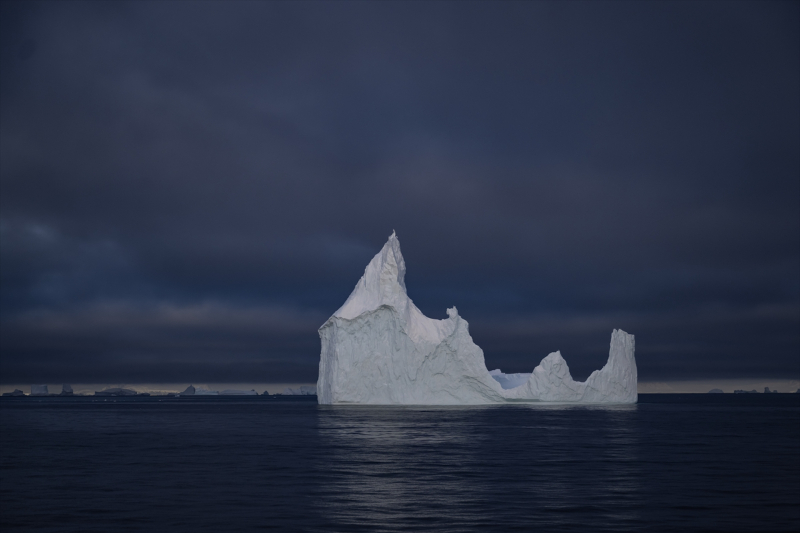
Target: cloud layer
pixel 190 189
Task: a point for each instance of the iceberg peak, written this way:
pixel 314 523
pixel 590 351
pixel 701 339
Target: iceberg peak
pixel 383 283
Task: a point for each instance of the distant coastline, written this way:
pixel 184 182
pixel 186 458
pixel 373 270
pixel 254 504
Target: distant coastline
pixel 783 386
pixel 43 391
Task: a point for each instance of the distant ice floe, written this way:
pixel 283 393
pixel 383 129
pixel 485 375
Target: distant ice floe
pixel 116 391
pixel 199 391
pixel 304 390
pixel 715 391
pixel 379 348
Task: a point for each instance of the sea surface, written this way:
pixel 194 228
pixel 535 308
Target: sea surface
pixel 716 462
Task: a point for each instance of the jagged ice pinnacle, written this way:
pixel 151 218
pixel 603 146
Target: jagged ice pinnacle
pixel 378 348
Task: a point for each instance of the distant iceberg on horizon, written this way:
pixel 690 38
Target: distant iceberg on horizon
pixel 379 348
pixel 116 391
pixel 304 390
pixel 39 390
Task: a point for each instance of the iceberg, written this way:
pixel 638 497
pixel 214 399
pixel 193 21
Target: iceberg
pixel 116 391
pixel 379 348
pixel 66 390
pixel 39 390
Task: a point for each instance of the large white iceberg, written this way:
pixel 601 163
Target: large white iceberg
pixel 378 348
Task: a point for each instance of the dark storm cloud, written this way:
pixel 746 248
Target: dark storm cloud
pixel 190 189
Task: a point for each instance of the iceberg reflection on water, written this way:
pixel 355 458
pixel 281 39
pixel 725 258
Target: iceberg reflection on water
pixel 386 460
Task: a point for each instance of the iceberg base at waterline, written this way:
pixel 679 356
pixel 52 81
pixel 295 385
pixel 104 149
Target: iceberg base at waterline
pixel 379 348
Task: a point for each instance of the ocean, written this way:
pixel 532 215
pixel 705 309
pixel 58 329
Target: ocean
pixel 692 462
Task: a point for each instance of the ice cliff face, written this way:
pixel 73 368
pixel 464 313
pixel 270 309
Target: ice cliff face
pixel 378 348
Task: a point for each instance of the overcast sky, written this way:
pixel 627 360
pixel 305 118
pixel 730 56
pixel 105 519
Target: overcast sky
pixel 189 190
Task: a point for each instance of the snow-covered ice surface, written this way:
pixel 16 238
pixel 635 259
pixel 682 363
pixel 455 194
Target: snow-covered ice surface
pixel 378 348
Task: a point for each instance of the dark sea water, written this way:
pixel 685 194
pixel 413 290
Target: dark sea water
pixel 671 463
